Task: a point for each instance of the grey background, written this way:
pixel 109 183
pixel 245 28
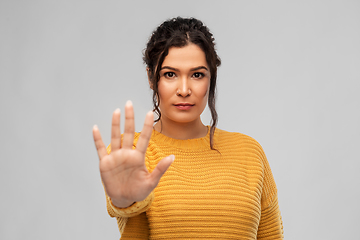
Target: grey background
pixel 289 78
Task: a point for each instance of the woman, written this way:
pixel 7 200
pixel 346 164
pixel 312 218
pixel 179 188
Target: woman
pixel 220 185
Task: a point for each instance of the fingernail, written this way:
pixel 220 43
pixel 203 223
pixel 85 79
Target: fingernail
pixel 95 127
pixel 117 110
pixel 172 157
pixel 128 103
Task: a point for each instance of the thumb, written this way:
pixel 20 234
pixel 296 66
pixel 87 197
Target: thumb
pixel 160 169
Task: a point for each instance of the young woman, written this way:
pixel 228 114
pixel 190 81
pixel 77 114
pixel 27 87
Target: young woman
pixel 220 184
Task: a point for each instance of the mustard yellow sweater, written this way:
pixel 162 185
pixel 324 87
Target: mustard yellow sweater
pixel 205 194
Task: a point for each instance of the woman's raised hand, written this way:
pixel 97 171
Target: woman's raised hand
pixel 123 171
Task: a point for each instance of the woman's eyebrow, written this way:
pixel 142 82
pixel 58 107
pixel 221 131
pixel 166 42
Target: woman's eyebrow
pixel 177 70
pixel 198 68
pixel 170 68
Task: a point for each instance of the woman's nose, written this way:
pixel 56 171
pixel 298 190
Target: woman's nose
pixel 184 88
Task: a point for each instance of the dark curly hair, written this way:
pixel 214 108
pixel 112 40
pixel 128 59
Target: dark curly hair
pixel 179 32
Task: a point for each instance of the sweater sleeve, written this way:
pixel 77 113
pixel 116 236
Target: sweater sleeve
pixel 270 226
pixel 123 214
pixel 136 228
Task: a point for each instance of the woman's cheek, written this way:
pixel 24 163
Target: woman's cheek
pixel 206 90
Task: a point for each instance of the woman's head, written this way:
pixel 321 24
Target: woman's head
pixel 180 32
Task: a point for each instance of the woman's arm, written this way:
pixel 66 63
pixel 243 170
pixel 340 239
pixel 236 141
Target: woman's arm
pixel 129 218
pixel 127 182
pixel 136 228
pixel 270 226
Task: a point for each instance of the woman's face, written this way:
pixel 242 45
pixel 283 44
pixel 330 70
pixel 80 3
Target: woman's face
pixel 184 84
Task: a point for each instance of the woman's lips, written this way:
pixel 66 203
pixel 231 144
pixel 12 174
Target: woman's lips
pixel 184 106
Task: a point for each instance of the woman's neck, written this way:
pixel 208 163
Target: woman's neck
pixel 182 131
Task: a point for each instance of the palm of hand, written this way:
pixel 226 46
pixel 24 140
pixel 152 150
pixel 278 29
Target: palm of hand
pixel 123 171
pixel 124 174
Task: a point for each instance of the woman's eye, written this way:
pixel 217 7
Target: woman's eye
pixel 169 74
pixel 198 75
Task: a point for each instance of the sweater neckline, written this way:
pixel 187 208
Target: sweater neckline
pixel 202 143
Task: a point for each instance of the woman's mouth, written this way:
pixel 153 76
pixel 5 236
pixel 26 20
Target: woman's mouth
pixel 184 106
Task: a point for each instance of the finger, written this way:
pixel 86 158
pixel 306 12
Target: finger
pixel 129 126
pixel 160 169
pixel 99 144
pixel 145 135
pixel 115 130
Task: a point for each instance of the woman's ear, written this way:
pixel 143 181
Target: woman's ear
pixel 149 78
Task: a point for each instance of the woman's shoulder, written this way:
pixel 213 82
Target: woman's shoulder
pixel 235 138
pixel 237 135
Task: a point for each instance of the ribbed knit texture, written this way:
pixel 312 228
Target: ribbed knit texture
pixel 227 193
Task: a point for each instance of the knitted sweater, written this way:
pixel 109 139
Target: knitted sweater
pixel 227 193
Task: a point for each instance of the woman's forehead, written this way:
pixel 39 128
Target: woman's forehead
pixel 189 56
